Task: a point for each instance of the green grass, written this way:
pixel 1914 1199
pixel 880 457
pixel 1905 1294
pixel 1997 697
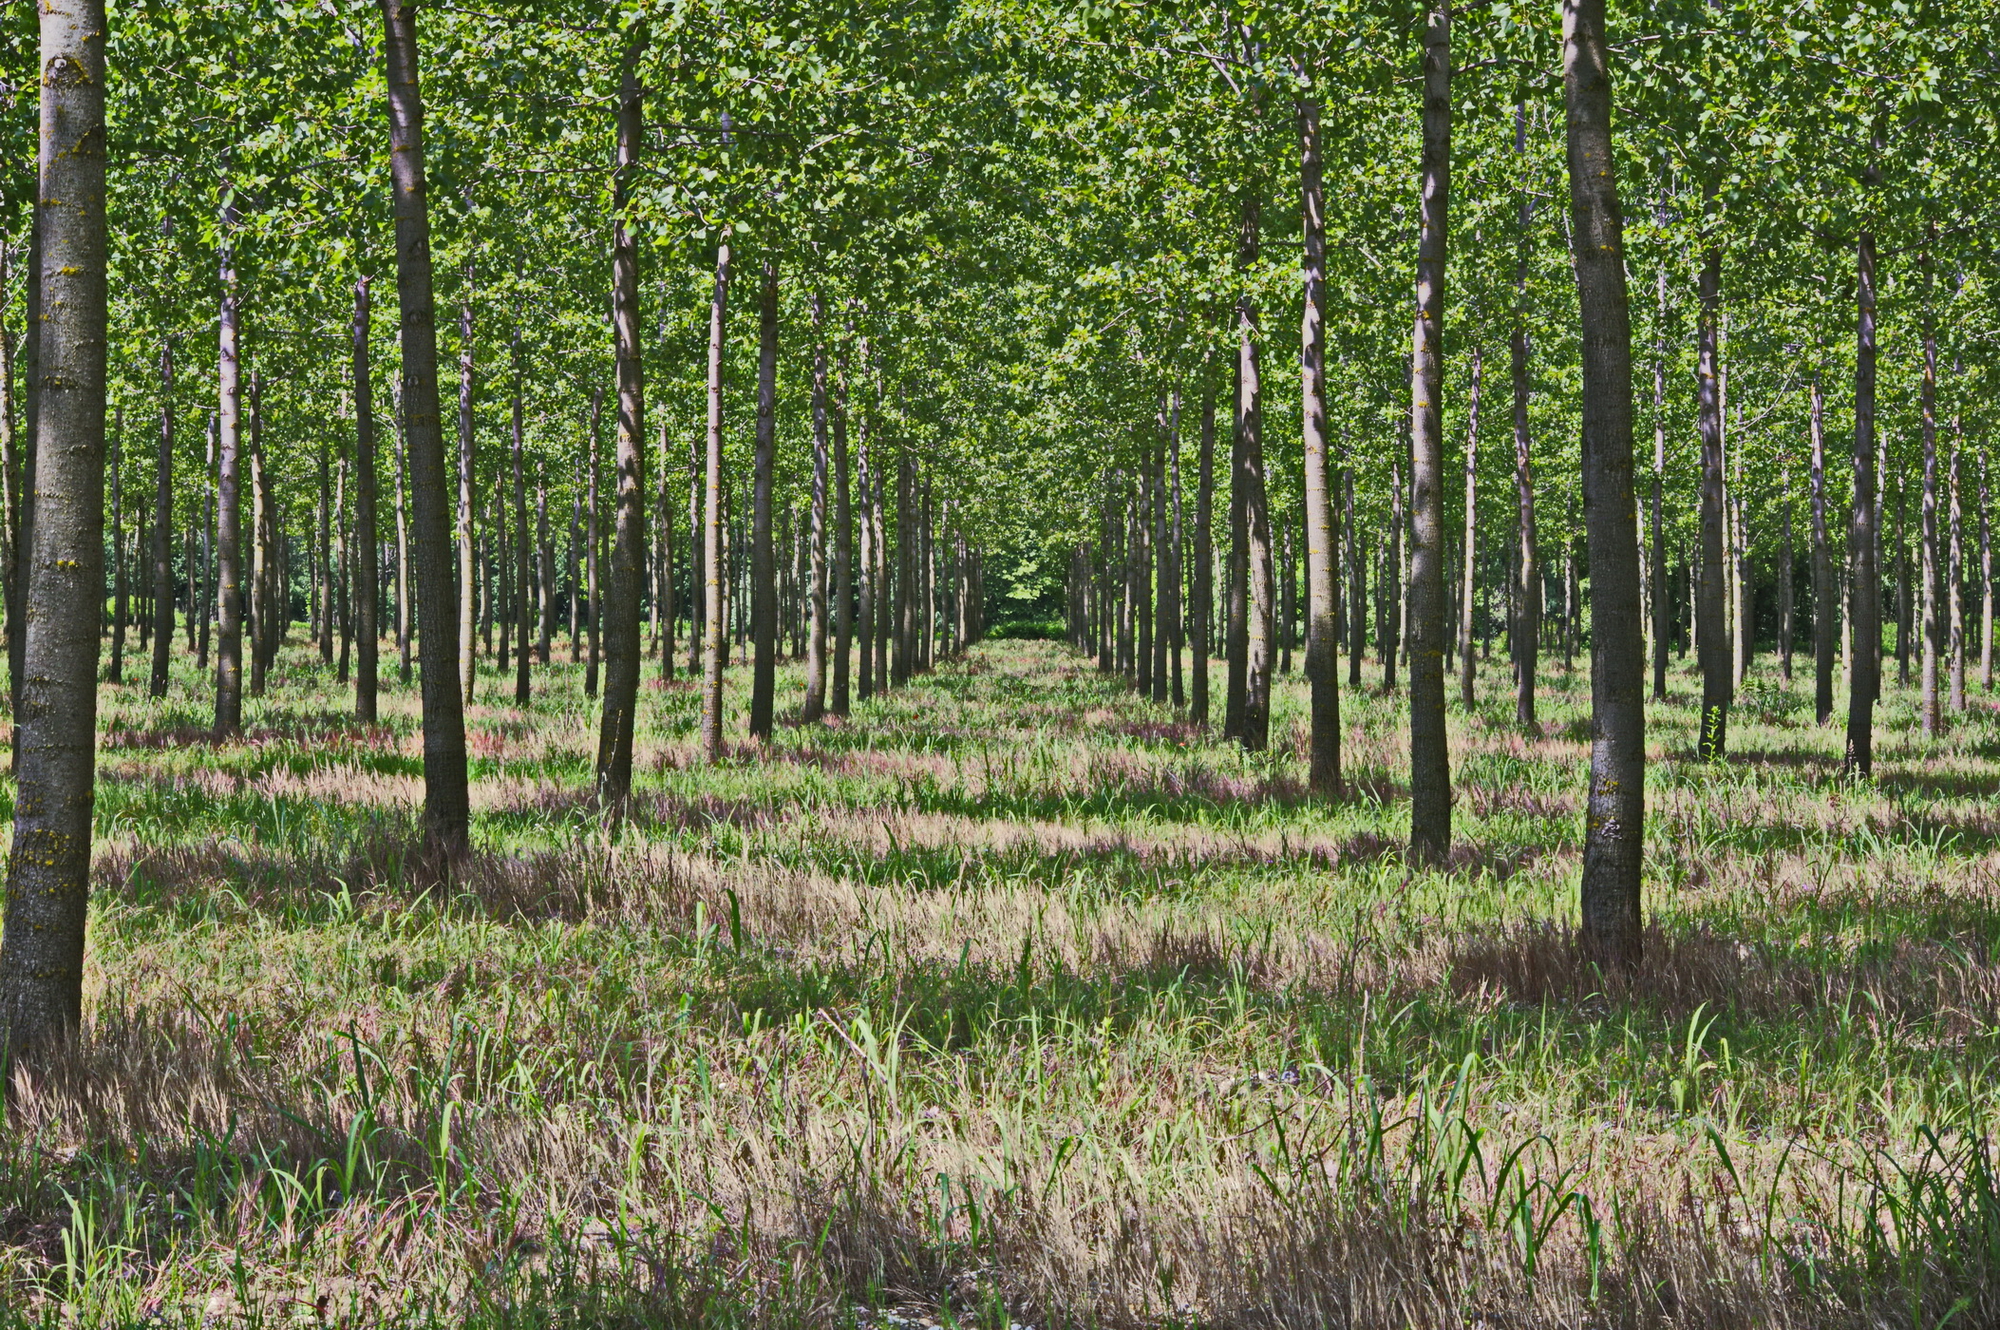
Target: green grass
pixel 1015 999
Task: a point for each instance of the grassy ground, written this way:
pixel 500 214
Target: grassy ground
pixel 1014 1000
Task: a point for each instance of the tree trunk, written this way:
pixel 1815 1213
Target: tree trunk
pixel 1391 602
pixel 11 578
pixel 1865 616
pixel 120 605
pixel 343 576
pixel 1527 566
pixel 210 589
pixel 163 529
pixel 1614 832
pixel 1236 597
pixel 523 583
pixel 545 573
pixel 446 807
pixel 1662 602
pixel 763 570
pixel 843 545
pixel 1357 584
pixel 623 647
pixel 669 591
pixel 48 873
pixel 866 603
pixel 1985 572
pixel 1468 582
pixel 1162 583
pixel 1322 547
pixel 712 522
pixel 367 587
pixel 1822 568
pixel 228 505
pixel 1955 574
pixel 1175 581
pixel 816 637
pixel 1716 657
pixel 883 591
pixel 1202 585
pixel 908 594
pixel 468 665
pixel 1249 481
pixel 1930 703
pixel 593 600
pixel 1430 762
pixel 1787 557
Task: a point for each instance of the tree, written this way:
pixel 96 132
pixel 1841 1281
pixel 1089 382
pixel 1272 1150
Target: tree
pixel 447 804
pixel 1614 840
pixel 48 871
pixel 1430 762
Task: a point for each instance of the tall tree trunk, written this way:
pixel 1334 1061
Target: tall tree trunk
pixel 367 534
pixel 1468 582
pixel 1249 481
pixel 1357 583
pixel 908 595
pixel 48 872
pixel 624 648
pixel 593 597
pixel 406 619
pixel 545 571
pixel 866 601
pixel 1236 576
pixel 1954 572
pixel 816 639
pixel 884 601
pixel 447 812
pixel 1716 656
pixel 664 540
pixel 1175 582
pixel 1391 601
pixel 1157 546
pixel 843 544
pixel 11 577
pixel 763 570
pixel 1322 547
pixel 1985 571
pixel 1930 703
pixel 1527 620
pixel 1865 616
pixel 1202 585
pixel 24 537
pixel 523 582
pixel 468 664
pixel 1614 831
pixel 120 606
pixel 1662 602
pixel 211 601
pixel 228 505
pixel 163 529
pixel 713 518
pixel 344 568
pixel 1822 567
pixel 1788 558
pixel 1430 762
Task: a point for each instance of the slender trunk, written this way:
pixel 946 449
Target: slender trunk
pixel 884 601
pixel 163 527
pixel 1527 620
pixel 1430 762
pixel 865 604
pixel 120 595
pixel 446 807
pixel 669 593
pixel 1176 583
pixel 908 595
pixel 1954 573
pixel 405 618
pixel 211 602
pixel 1357 580
pixel 1202 585
pixel 343 577
pixel 545 574
pixel 763 587
pixel 843 545
pixel 1391 603
pixel 816 637
pixel 712 523
pixel 1614 830
pixel 1928 562
pixel 523 585
pixel 1259 591
pixel 468 665
pixel 10 486
pixel 1467 583
pixel 24 531
pixel 593 599
pixel 1787 558
pixel 1822 567
pixel 623 647
pixel 1985 572
pixel 1716 657
pixel 1236 584
pixel 367 536
pixel 1157 547
pixel 1865 616
pixel 1322 545
pixel 1662 602
pixel 228 517
pixel 48 873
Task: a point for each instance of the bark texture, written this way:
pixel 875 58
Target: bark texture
pixel 1614 826
pixel 48 871
pixel 447 810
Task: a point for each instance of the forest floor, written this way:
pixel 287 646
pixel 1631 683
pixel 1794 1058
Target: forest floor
pixel 1013 1000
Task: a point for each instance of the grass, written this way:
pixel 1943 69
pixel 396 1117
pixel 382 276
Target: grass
pixel 1015 1001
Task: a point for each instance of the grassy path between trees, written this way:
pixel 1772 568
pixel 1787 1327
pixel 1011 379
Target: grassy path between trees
pixel 1013 1000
